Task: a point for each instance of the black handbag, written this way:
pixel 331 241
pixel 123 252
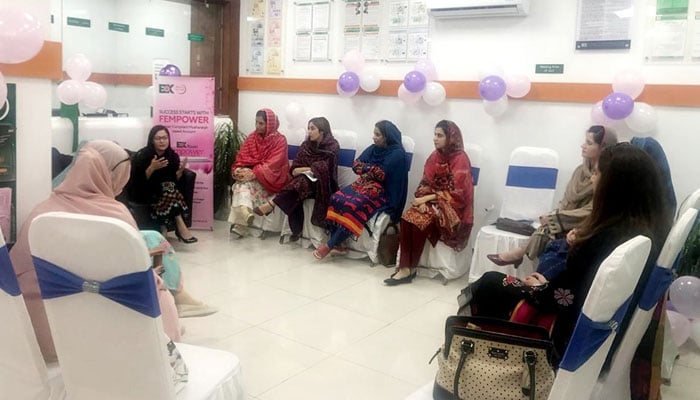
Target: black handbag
pixel 520 227
pixel 388 245
pixel 491 359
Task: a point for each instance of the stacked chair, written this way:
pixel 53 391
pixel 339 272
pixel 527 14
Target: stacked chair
pixel 100 298
pixel 529 193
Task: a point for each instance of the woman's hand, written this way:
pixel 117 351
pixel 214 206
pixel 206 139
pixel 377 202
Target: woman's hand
pixel 571 237
pixel 535 279
pixel 300 170
pixel 155 165
pixel 244 174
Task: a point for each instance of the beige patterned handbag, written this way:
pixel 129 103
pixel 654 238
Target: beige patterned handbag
pixel 489 359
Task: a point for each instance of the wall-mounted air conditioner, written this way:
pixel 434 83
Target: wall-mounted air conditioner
pixel 478 8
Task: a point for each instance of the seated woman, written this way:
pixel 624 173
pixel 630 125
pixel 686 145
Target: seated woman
pixel 155 171
pixel 383 171
pixel 261 169
pixel 99 173
pixel 443 205
pixel 573 208
pixel 627 202
pixel 314 176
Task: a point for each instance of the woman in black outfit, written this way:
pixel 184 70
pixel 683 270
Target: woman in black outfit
pixel 155 170
pixel 627 202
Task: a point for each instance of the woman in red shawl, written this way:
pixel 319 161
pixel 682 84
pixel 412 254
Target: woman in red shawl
pixel 443 206
pixel 314 176
pixel 261 170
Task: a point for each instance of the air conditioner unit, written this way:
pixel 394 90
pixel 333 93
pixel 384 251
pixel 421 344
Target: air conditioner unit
pixel 478 8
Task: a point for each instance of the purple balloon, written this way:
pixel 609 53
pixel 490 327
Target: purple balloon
pixel 414 81
pixel 170 70
pixel 349 81
pixel 492 88
pixel 618 105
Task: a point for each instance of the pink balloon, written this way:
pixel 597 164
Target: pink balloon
pixel 629 82
pixel 427 68
pixel 78 67
pixel 354 61
pixel 517 86
pixel 21 37
pixel 679 326
pixel 94 95
pixel 408 97
pixel 598 115
pixel 70 91
pixel 685 295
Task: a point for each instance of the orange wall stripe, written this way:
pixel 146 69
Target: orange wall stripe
pixel 46 64
pixel 120 79
pixel 654 94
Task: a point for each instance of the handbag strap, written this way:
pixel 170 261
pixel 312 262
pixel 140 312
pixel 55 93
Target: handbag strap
pixel 530 358
pixel 467 347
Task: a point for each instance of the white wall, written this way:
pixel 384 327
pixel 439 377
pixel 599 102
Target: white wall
pixel 460 49
pixel 33 110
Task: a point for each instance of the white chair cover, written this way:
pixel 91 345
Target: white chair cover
pixel 615 385
pixel 107 350
pixel 23 373
pixel 366 245
pixel 529 193
pixel 604 307
pixel 442 259
pixel 313 235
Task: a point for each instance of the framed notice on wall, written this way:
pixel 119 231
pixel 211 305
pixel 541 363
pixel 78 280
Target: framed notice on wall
pixel 312 21
pixel 604 25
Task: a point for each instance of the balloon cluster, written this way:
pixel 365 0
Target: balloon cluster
pixel 21 39
pixel 78 88
pixel 356 76
pixel 495 90
pixel 684 321
pixel 295 115
pixel 620 105
pixel 420 83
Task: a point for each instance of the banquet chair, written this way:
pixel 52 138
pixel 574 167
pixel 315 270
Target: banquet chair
pixel 23 373
pixel 100 298
pixel 442 260
pixel 602 312
pixel 311 234
pixel 529 193
pixel 367 244
pixel 615 383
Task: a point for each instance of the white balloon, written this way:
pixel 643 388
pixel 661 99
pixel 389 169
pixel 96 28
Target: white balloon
pixel 295 115
pixel 94 95
pixel 21 36
pixel 629 82
pixel 598 115
pixel 3 90
pixel 407 96
pixel 78 67
pixel 345 94
pixel 434 93
pixel 369 81
pixel 517 86
pixel 69 91
pixel 354 61
pixel 695 331
pixel 643 118
pixel 496 108
pixel 427 68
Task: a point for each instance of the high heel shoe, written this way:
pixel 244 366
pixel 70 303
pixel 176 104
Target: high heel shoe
pixel 496 259
pixel 391 281
pixel 188 240
pixel 258 211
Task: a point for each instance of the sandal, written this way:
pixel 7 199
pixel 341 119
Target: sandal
pixel 258 210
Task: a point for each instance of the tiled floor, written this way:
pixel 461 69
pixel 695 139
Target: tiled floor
pixel 328 330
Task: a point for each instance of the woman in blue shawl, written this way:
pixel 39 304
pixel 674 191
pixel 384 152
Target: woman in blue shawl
pixel 381 187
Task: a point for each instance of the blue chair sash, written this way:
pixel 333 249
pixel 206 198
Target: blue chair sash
pixel 659 281
pixel 8 279
pixel 588 337
pixel 135 291
pixel 532 177
pixel 475 175
pixel 292 151
pixel 346 157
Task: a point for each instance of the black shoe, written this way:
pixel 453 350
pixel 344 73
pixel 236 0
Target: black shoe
pixel 188 240
pixel 294 237
pixel 406 279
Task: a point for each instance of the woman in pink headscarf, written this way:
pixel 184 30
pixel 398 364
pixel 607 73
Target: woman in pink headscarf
pixel 261 170
pixel 99 173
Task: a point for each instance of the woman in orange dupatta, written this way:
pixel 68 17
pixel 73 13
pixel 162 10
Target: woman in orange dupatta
pixel 99 173
pixel 261 170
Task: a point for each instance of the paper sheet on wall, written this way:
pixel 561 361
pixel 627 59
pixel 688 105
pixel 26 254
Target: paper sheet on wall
pixel 273 60
pixel 321 17
pixel 603 24
pixel 351 41
pixel 257 48
pixel 302 50
pixel 668 39
pixel 353 15
pixel 370 45
pixel 258 9
pixel 275 8
pixel 397 45
pixel 418 13
pixel 371 14
pixel 696 36
pixel 302 17
pixel 417 45
pixel 319 47
pixel 398 14
pixel 274 32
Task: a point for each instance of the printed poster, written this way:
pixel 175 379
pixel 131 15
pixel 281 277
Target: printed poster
pixel 186 106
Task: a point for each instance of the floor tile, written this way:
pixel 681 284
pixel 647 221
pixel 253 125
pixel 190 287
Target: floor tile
pixel 313 280
pixel 323 326
pixel 684 384
pixel 428 319
pixel 338 379
pixel 210 329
